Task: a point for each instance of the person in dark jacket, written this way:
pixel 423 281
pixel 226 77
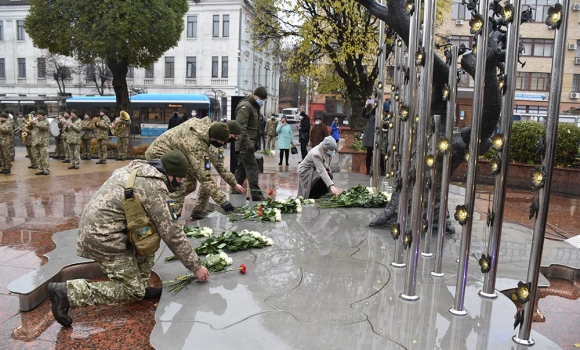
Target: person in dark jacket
pixel 262 139
pixel 319 131
pixel 304 133
pixel 369 136
pixel 174 121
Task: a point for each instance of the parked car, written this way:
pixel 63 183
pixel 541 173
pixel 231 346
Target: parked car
pixel 292 115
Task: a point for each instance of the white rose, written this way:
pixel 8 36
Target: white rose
pixel 278 217
pixel 282 201
pixel 299 210
pixel 370 190
pixel 244 232
pixel 229 261
pixel 297 200
pixel 269 241
pixel 256 234
pixel 223 256
pixel 311 201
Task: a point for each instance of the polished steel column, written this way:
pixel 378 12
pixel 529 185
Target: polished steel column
pixel 380 92
pixel 523 336
pixel 393 143
pixel 407 130
pixel 511 67
pixel 446 160
pixel 479 79
pixel 421 147
pixel 433 176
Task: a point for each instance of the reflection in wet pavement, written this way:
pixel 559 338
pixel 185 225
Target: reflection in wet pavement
pixel 32 208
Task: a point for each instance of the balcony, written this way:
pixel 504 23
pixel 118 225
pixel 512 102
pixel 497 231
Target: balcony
pixel 219 82
pixel 149 81
pixel 190 81
pixel 21 81
pixel 168 81
pixel 41 80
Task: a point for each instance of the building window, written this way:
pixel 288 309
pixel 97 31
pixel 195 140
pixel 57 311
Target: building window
pixel 192 26
pixel 1 30
pixel 532 81
pixel 224 66
pixel 2 68
pixel 214 66
pixel 462 39
pixel 576 83
pixel 149 72
pixel 226 26
pixel 216 26
pixel 538 47
pixel 130 73
pixel 22 68
pixel 41 65
pixel 191 68
pixel 20 30
pixel 169 67
pixel 460 10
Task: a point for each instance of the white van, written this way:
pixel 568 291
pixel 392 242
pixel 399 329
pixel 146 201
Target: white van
pixel 292 115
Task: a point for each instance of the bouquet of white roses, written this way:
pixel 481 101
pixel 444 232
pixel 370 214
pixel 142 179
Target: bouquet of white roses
pixel 213 262
pixel 197 231
pixel 270 210
pixel 231 241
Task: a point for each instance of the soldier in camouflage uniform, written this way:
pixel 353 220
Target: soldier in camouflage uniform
pixel 73 138
pixel 28 144
pixel 40 133
pixel 87 137
pixel 194 138
pixel 6 133
pixel 103 136
pixel 19 121
pixel 271 126
pixel 58 144
pixel 103 237
pixel 11 141
pixel 123 138
pixel 248 115
pixel 63 125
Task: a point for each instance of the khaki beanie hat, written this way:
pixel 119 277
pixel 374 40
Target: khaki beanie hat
pixel 261 92
pixel 234 127
pixel 219 131
pixel 175 163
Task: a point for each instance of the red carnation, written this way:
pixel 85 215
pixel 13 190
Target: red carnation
pixel 242 268
pixel 271 192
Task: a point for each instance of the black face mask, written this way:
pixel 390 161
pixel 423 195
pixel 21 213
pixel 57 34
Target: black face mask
pixel 176 184
pixel 216 144
pixel 231 139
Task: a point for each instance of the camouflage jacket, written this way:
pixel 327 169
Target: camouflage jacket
pixel 63 130
pixel 217 159
pixel 248 115
pixel 127 131
pixel 103 226
pixel 74 132
pixel 103 128
pixel 40 132
pixel 271 127
pixel 87 125
pixel 6 132
pixel 191 138
pixel 19 121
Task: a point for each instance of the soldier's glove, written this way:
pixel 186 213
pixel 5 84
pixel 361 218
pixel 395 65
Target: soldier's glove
pixel 227 206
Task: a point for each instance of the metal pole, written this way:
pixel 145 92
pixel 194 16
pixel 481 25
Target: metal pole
pixel 410 96
pixel 421 150
pixel 523 336
pixel 431 202
pixel 479 79
pixel 377 159
pixel 446 170
pixel 394 132
pixel 511 66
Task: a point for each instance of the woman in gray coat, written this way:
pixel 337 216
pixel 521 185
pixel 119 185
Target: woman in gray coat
pixel 314 174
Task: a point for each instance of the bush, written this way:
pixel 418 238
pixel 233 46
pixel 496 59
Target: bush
pixel 523 141
pixel 139 150
pixel 567 142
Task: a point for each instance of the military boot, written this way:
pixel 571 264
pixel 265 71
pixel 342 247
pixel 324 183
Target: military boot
pixel 152 293
pixel 58 297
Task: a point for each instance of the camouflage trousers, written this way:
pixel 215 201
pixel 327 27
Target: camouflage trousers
pixel 86 149
pixel 5 158
pixel 74 151
pixel 271 144
pixel 12 147
pixel 128 278
pixel 58 150
pixel 64 146
pixel 188 185
pixel 31 155
pixel 122 147
pixel 203 197
pixel 102 149
pixel 40 154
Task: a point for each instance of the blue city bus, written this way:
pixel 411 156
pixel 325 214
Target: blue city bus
pixel 150 113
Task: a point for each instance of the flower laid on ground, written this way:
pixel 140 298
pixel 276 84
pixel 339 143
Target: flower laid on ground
pixel 269 210
pixel 230 241
pixel 242 269
pixel 271 192
pixel 197 231
pixel 358 196
pixel 213 262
